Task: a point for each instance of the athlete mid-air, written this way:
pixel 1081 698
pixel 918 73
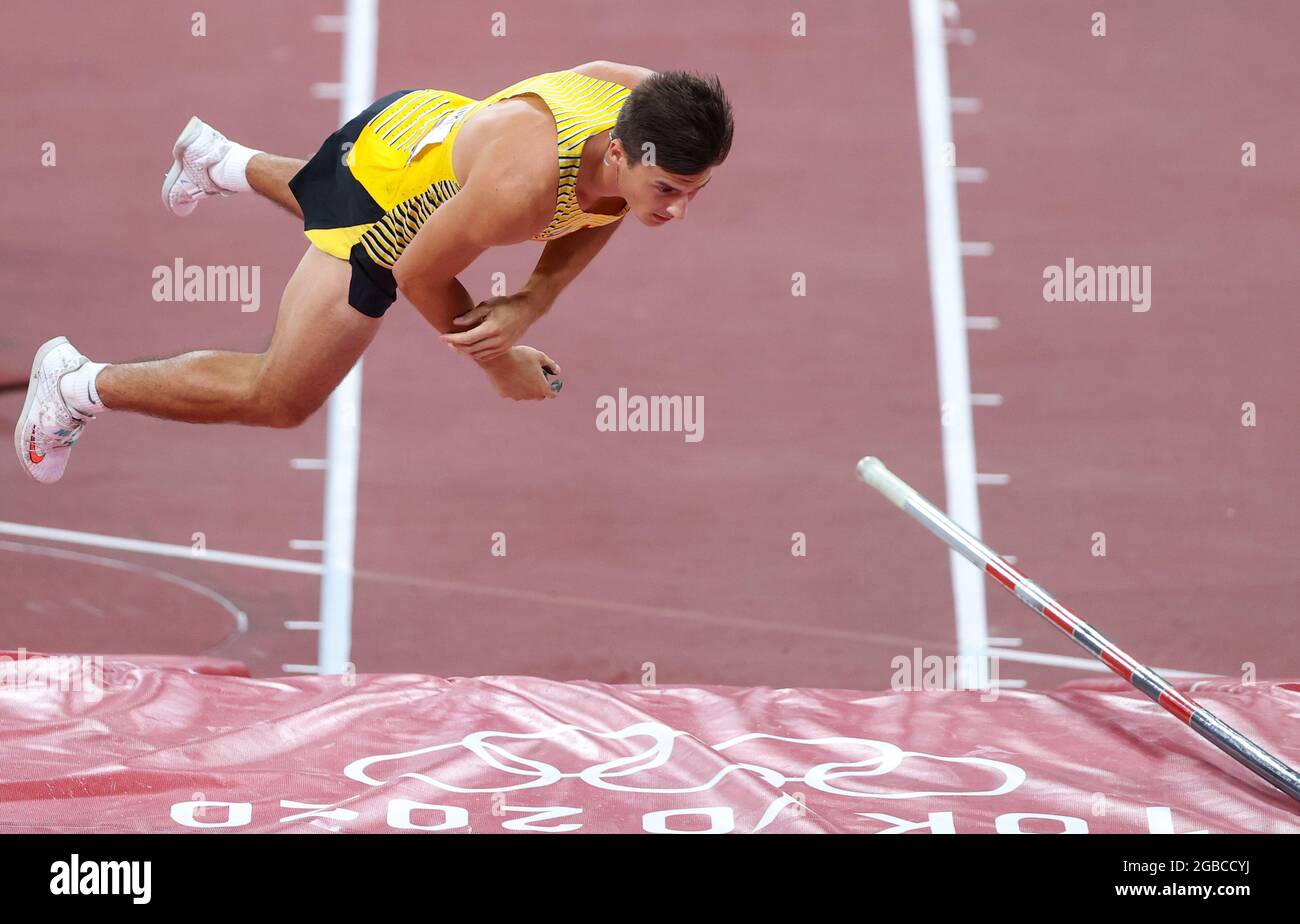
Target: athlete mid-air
pixel 405 197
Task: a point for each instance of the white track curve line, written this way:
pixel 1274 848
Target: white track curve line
pixel 166 549
pixel 239 616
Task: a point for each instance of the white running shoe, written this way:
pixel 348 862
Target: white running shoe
pixel 197 150
pixel 48 429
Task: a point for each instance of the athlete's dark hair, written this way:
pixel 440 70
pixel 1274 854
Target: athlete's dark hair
pixel 686 117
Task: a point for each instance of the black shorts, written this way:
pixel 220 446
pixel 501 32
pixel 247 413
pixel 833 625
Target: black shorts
pixel 332 198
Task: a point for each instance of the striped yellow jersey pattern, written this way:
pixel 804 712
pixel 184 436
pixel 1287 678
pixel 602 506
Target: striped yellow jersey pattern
pixel 403 158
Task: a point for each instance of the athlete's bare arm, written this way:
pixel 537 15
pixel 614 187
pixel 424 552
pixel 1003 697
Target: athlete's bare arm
pixel 512 141
pixel 495 324
pixel 505 163
pixel 507 196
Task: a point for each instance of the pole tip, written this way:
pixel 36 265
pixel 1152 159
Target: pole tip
pixel 867 466
pixel 873 472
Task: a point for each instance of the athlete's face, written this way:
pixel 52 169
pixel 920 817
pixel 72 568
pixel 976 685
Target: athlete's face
pixel 654 195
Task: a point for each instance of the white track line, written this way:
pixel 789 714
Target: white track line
pixel 300 668
pixel 597 604
pixel 948 304
pixel 343 425
pixel 649 611
pixel 167 550
pixel 1082 664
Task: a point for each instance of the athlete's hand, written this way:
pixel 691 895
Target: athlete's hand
pixel 500 321
pixel 518 374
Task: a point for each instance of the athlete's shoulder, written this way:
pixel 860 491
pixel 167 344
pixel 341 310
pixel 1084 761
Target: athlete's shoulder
pixel 628 75
pixel 513 188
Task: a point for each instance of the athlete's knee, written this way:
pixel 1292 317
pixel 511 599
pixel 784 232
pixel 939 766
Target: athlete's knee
pixel 272 405
pixel 284 411
pixel 287 414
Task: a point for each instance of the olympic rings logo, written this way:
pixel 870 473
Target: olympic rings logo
pixel 647 766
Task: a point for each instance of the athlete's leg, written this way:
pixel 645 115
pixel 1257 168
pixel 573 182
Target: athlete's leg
pixel 206 163
pixel 318 337
pixel 269 176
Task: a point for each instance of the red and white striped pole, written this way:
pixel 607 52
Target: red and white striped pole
pixel 1221 735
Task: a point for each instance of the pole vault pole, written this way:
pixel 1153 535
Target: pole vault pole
pixel 1236 745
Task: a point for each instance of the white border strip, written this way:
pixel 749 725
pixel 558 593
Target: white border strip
pixel 948 301
pixel 165 549
pixel 343 440
pixel 1082 664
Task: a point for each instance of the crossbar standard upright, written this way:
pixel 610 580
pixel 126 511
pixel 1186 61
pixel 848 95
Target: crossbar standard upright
pixel 343 426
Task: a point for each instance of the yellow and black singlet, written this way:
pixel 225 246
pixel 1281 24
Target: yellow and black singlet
pixel 375 181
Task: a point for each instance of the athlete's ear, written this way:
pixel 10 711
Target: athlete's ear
pixel 615 152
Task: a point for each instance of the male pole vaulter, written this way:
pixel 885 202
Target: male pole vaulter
pixel 406 196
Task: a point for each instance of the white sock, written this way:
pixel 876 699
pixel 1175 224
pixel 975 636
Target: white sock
pixel 78 390
pixel 231 172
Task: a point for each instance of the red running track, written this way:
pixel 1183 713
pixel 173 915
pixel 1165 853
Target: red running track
pixel 633 549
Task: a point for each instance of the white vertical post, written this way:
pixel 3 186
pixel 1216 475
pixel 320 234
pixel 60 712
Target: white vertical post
pixel 948 301
pixel 343 439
